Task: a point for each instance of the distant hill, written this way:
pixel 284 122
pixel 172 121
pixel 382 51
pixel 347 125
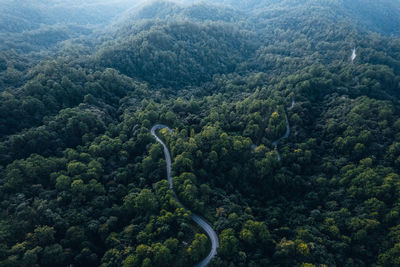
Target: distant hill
pixel 380 16
pixel 19 15
pixel 167 10
pixel 170 54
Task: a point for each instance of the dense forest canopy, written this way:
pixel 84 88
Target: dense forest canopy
pixel 284 132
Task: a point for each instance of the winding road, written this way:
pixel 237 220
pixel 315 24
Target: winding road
pixel 286 135
pixel 292 104
pixel 353 55
pixel 199 220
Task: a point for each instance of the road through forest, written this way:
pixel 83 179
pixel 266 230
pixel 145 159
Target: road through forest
pixel 198 219
pixel 286 135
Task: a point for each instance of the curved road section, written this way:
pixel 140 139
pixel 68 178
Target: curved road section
pixel 353 55
pixel 199 220
pixel 286 135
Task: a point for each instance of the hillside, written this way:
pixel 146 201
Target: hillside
pixel 200 49
pixel 284 146
pixel 18 15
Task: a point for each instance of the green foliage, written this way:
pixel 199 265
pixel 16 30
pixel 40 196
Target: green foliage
pixel 198 249
pixel 229 244
pixel 83 182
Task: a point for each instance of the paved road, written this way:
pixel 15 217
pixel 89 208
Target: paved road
pixel 293 103
pixel 199 220
pixel 353 55
pixel 286 135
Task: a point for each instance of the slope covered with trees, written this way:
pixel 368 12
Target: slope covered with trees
pixel 83 182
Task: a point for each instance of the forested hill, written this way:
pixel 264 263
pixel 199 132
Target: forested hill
pixel 19 15
pixel 368 15
pixel 83 181
pixel 171 54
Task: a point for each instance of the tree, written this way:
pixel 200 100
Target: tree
pixel 182 163
pixel 53 255
pixel 63 183
pixel 162 255
pixel 44 235
pixel 146 201
pixel 390 257
pixel 229 244
pixel 198 247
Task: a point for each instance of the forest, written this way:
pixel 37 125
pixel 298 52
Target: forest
pixel 83 182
